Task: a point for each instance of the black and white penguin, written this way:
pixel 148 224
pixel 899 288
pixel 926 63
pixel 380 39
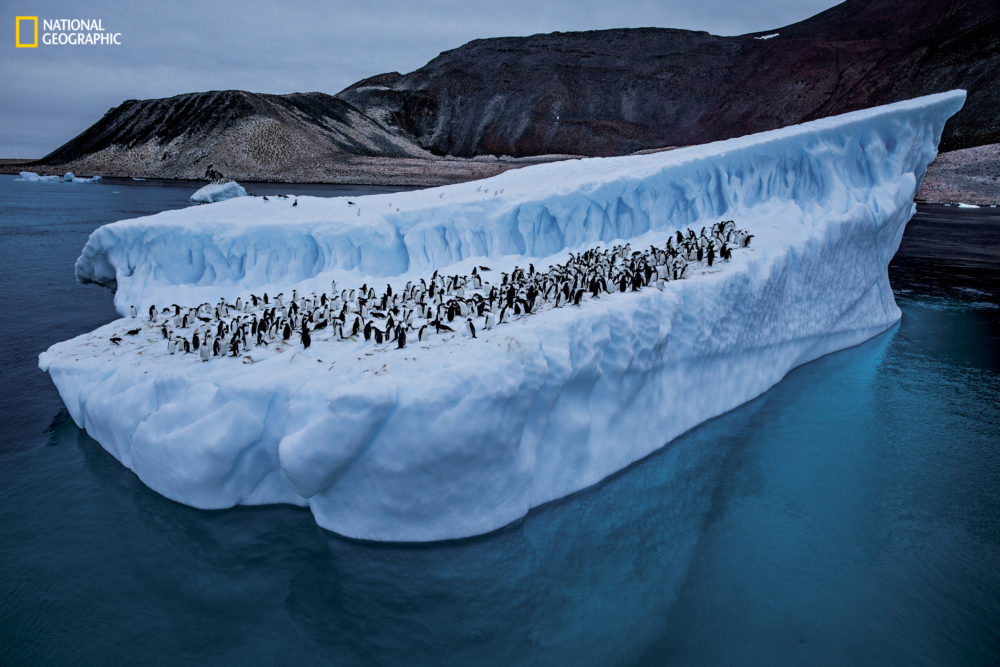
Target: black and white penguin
pixel 400 337
pixel 306 338
pixel 470 327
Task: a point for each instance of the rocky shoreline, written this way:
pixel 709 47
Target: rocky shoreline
pixel 969 175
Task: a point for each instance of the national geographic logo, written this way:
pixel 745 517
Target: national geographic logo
pixel 63 32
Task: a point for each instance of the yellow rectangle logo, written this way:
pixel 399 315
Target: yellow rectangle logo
pixel 17 40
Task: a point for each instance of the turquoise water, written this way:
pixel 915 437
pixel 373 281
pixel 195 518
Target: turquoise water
pixel 849 515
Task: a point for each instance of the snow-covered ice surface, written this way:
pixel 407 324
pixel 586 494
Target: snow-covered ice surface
pixel 68 177
pixel 458 436
pixel 215 192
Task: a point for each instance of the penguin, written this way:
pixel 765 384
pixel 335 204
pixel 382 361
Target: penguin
pixel 152 313
pixel 172 345
pixel 470 327
pixel 204 352
pixel 400 337
pixel 295 203
pixel 115 340
pixel 286 332
pixel 306 338
pixel 746 241
pixel 132 312
pixel 132 332
pixel 420 334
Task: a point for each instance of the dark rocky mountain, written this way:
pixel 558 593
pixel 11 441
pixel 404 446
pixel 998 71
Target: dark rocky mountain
pixel 611 92
pixel 607 92
pixel 232 132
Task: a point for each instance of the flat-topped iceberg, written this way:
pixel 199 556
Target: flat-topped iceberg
pixel 214 192
pixel 458 436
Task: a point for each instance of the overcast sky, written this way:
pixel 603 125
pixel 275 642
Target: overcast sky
pixel 51 94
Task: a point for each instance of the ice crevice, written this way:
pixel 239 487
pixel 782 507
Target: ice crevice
pixel 461 437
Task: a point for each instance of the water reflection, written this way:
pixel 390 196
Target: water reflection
pixel 588 580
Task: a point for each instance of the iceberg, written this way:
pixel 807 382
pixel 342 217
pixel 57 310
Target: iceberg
pixel 68 177
pixel 214 192
pixel 458 436
pixel 32 177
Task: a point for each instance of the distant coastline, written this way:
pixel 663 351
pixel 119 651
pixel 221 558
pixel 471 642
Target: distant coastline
pixel 969 175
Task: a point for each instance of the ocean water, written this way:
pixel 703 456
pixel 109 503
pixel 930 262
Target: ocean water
pixel 851 515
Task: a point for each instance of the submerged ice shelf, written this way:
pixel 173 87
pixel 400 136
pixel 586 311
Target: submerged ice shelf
pixel 437 442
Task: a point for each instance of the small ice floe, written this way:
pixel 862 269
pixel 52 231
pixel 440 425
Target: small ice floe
pixel 68 177
pixel 771 36
pixel 964 205
pixel 214 192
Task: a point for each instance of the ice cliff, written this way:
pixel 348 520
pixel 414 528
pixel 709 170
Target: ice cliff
pixel 450 440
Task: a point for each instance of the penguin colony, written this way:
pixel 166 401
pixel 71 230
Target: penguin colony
pixel 441 306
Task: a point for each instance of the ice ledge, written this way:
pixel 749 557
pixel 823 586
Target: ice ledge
pixel 465 438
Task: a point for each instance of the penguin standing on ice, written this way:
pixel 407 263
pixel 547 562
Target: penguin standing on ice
pixel 400 337
pixel 152 313
pixel 306 338
pixel 470 327
pixel 132 312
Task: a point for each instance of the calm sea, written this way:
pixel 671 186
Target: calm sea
pixel 851 515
